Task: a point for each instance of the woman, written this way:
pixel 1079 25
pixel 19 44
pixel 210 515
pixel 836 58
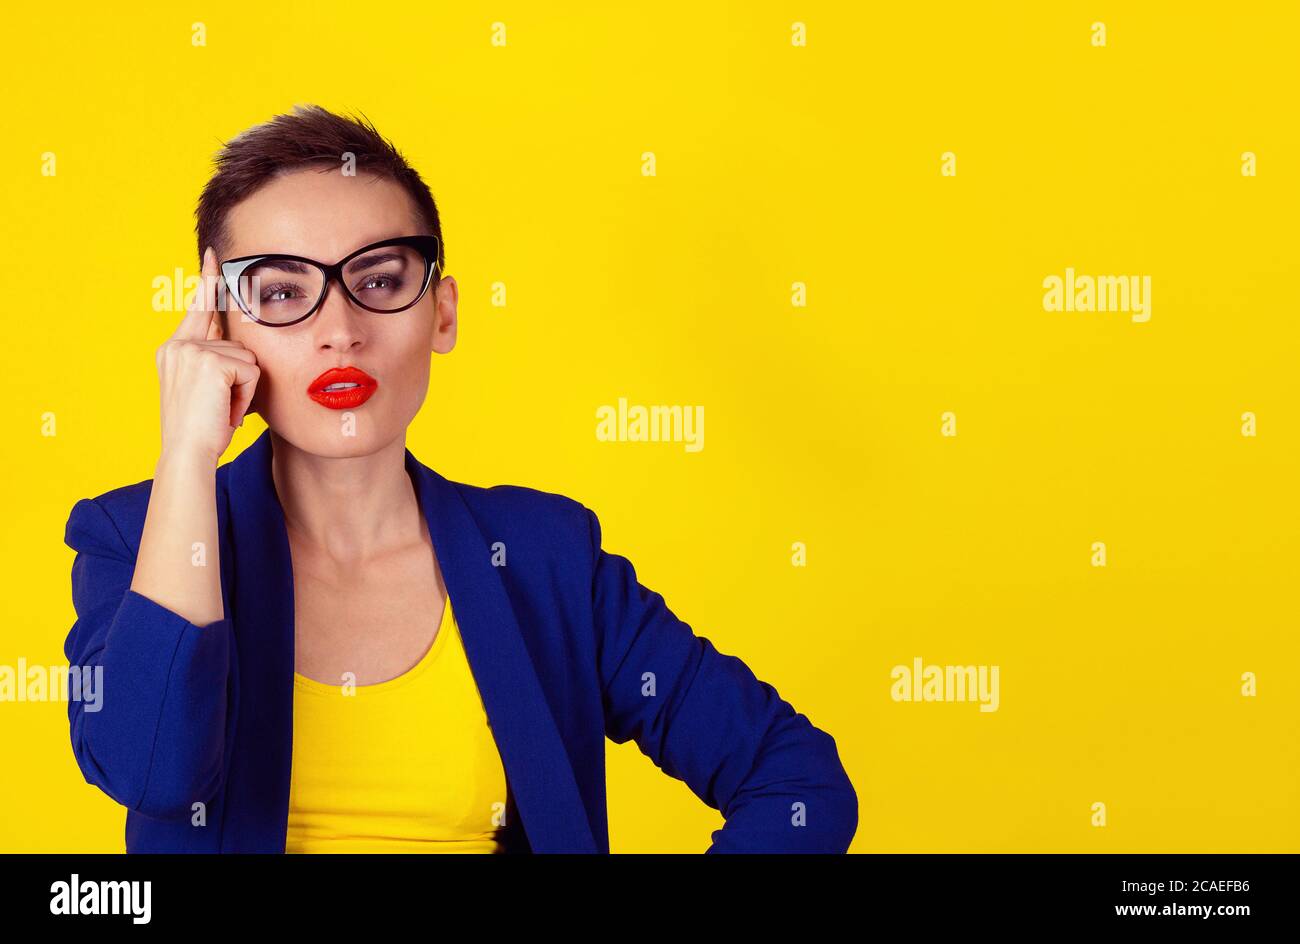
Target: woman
pixel 283 666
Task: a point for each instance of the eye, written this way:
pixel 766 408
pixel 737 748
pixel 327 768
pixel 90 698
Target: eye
pixel 287 290
pixel 381 281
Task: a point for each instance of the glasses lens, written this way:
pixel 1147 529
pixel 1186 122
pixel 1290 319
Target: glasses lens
pixel 386 278
pixel 278 291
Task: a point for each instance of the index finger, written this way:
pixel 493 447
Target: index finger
pixel 202 307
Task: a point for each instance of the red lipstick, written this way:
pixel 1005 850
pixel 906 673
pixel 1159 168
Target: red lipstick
pixel 352 387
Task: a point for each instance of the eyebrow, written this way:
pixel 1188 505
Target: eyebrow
pixel 284 265
pixel 378 257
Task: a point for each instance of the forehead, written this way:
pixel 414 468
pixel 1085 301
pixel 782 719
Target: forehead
pixel 320 214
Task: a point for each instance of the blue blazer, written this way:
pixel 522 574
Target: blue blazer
pixel 194 732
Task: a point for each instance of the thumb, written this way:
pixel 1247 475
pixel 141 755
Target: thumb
pixel 241 395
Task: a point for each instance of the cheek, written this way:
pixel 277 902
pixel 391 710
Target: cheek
pixel 405 366
pixel 416 353
pixel 275 380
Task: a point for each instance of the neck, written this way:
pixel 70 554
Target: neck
pixel 352 507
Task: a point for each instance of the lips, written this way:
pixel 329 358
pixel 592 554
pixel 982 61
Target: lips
pixel 351 388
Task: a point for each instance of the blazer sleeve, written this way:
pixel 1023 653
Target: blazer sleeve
pixel 704 718
pixel 154 737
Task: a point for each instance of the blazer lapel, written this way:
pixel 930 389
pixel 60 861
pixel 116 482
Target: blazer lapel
pixel 536 762
pixel 532 752
pixel 257 794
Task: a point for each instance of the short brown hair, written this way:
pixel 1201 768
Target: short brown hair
pixel 311 136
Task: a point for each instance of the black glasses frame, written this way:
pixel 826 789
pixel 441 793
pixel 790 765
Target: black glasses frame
pixel 233 269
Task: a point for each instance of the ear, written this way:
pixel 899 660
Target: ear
pixel 446 300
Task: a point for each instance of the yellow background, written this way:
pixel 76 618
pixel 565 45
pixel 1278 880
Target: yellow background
pixel 775 164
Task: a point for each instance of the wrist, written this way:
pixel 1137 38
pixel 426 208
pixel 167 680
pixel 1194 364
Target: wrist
pixel 178 461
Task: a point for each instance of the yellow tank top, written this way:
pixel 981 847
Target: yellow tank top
pixel 405 765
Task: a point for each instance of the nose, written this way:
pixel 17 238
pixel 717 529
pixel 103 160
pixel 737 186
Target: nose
pixel 339 325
